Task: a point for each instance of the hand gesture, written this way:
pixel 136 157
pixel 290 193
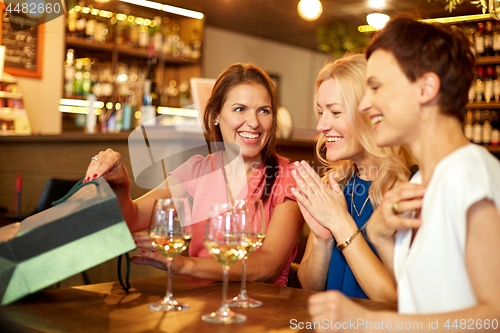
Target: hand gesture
pixel 399 208
pixel 325 203
pixel 336 311
pixel 108 164
pixel 149 256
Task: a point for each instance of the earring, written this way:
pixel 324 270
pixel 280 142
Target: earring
pixel 216 123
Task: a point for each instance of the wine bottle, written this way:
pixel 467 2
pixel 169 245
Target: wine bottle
pixel 488 39
pixel 495 128
pixel 480 84
pixel 148 110
pixel 486 130
pixel 479 39
pixel 477 128
pixel 488 86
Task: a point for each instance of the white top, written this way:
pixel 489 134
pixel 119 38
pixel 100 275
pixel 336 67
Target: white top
pixel 431 275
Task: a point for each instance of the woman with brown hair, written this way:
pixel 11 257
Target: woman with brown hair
pixel 241 119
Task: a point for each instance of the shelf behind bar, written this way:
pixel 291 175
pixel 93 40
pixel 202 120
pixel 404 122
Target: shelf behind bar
pixel 492 60
pixel 85 43
pixel 139 53
pixel 483 105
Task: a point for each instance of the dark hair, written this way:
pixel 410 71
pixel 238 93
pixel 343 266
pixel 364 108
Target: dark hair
pixel 420 48
pixel 232 76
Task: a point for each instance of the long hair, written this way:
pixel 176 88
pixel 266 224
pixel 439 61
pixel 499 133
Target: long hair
pixel 393 163
pixel 232 76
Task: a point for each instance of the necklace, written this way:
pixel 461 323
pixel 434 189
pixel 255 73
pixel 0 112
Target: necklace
pixel 352 199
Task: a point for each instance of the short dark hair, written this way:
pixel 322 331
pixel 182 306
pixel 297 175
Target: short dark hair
pixel 421 47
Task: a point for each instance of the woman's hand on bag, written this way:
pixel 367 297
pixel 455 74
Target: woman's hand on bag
pixel 399 208
pixel 108 164
pixel 325 203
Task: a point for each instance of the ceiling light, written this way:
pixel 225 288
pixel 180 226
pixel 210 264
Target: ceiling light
pixel 167 8
pixel 445 20
pixel 310 10
pixel 377 20
pixel 377 3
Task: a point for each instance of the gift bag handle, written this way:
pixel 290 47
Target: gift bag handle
pixel 75 188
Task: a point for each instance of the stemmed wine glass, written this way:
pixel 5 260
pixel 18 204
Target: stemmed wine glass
pixel 168 231
pixel 224 241
pixel 253 226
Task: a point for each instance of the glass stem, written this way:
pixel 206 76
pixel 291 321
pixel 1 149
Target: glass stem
pixel 225 277
pixel 243 291
pixel 168 296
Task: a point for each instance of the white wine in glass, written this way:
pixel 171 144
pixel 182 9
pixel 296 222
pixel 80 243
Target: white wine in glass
pixel 224 241
pixel 168 231
pixel 253 228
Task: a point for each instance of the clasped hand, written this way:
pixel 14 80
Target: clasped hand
pixel 321 205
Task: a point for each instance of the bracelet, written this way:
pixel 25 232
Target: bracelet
pixel 349 240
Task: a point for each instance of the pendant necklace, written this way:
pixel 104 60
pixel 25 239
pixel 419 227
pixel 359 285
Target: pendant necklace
pixel 352 199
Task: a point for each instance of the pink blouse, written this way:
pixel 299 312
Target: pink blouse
pixel 207 186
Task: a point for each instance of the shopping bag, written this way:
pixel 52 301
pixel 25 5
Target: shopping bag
pixel 83 231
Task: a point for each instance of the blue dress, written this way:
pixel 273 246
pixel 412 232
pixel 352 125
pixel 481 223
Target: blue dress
pixel 340 276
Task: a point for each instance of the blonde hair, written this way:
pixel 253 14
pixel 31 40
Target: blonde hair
pixel 393 163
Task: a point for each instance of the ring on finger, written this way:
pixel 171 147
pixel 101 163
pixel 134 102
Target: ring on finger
pixel 395 209
pixel 94 158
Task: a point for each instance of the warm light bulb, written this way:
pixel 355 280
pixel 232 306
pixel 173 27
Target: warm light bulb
pixel 310 10
pixel 377 3
pixel 377 20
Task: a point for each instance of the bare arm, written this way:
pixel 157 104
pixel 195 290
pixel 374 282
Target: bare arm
pixel 313 269
pixel 483 269
pixel 137 213
pixel 327 205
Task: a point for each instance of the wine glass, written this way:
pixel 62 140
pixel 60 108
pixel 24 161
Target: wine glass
pixel 253 225
pixel 224 241
pixel 169 235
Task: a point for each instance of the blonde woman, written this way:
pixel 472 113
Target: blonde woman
pixel 337 256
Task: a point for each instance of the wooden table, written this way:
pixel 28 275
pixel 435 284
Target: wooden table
pixel 108 308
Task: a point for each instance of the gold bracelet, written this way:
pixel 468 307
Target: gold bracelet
pixel 349 240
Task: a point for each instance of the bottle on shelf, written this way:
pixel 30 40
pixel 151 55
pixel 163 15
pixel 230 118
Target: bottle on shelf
pixel 90 26
pixel 133 30
pixel 157 34
pixel 468 125
pixel 82 20
pixel 148 110
pixel 489 84
pixel 486 131
pixel 496 84
pixel 479 39
pixel 69 73
pixel 78 82
pixel 495 128
pixel 480 84
pixel 477 128
pixel 86 77
pixel 488 39
pixel 496 39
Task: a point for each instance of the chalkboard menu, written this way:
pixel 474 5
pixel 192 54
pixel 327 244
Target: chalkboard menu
pixel 23 53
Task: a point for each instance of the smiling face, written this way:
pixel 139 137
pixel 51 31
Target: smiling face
pixel 333 122
pixel 246 119
pixel 390 100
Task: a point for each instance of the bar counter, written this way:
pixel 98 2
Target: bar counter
pixel 66 156
pixel 107 307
